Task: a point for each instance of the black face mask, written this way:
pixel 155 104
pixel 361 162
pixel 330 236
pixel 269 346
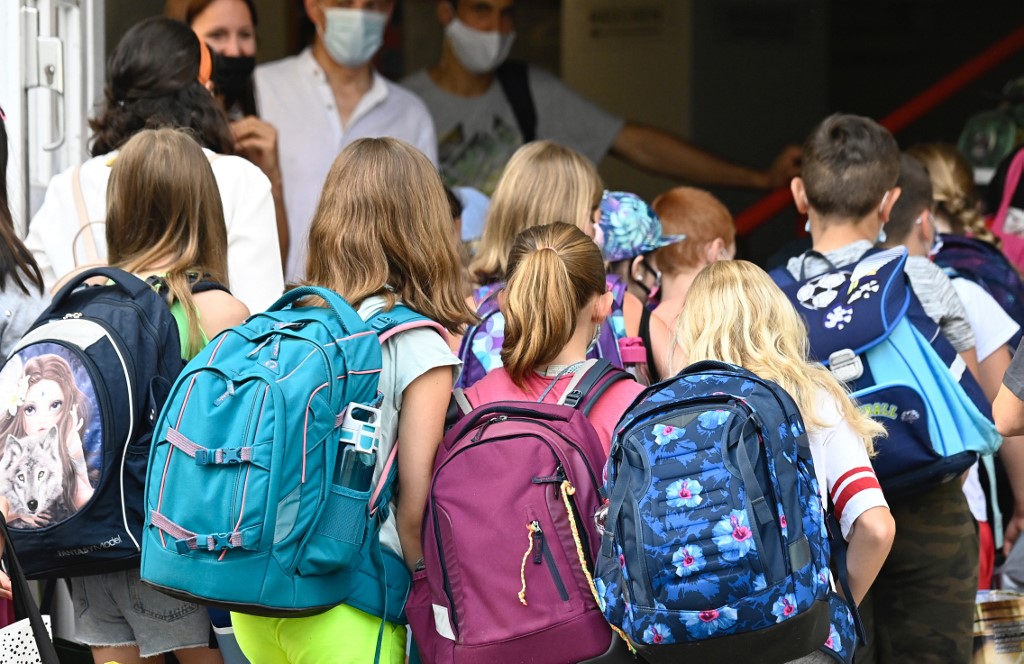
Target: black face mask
pixel 231 75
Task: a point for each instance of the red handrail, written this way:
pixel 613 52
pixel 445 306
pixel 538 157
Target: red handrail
pixel 959 78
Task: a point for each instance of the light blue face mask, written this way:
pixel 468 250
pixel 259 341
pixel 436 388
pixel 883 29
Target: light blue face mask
pixel 353 36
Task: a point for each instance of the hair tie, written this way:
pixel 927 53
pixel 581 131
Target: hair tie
pixel 205 63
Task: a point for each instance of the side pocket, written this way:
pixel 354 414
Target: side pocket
pixel 337 540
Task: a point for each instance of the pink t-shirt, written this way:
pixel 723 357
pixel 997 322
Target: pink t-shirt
pixel 606 413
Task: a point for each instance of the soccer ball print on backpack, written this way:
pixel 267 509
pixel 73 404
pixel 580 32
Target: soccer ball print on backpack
pixel 276 420
pixel 870 330
pixel 508 537
pixel 715 542
pixel 82 389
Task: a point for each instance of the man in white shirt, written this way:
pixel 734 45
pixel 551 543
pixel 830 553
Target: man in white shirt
pixel 329 96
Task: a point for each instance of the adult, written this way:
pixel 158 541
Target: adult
pixel 153 80
pixel 480 109
pixel 328 96
pixel 229 28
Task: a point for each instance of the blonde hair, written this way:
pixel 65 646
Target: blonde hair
pixel 383 227
pixel 735 313
pixel 542 183
pixel 554 271
pixel 164 213
pixel 699 216
pixel 953 189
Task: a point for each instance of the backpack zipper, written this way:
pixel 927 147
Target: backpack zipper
pixel 541 551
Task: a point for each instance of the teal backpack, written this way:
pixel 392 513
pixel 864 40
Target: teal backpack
pixel 259 497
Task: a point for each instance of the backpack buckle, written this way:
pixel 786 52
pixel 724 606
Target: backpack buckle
pixel 219 542
pixel 572 399
pixel 845 365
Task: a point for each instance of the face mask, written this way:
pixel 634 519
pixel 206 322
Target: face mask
pixel 352 36
pixel 480 52
pixel 231 75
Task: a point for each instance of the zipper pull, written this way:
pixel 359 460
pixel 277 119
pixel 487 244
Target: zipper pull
pixel 538 543
pixel 493 420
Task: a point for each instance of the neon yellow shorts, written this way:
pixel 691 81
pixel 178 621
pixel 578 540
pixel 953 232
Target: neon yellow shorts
pixel 343 635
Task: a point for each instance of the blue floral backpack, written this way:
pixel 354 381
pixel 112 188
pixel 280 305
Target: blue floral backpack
pixel 715 543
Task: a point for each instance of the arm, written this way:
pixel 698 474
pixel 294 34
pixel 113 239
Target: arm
pixel 1012 455
pixel 970 358
pixel 218 311
pixel 991 371
pixel 661 152
pixel 1008 412
pixel 257 141
pixel 420 429
pixel 868 546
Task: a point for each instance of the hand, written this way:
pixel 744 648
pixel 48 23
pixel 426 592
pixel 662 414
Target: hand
pixel 1013 530
pixel 785 167
pixel 257 141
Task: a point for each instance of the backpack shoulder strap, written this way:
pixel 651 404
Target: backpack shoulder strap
pixel 514 78
pixel 645 337
pixel 399 319
pixel 84 224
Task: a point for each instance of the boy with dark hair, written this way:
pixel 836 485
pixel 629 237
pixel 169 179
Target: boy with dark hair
pixel 920 608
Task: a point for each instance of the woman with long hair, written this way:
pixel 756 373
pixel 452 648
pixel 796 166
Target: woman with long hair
pixel 735 313
pixel 156 78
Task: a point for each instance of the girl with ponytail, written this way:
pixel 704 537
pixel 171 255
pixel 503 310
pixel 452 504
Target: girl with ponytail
pixel 554 303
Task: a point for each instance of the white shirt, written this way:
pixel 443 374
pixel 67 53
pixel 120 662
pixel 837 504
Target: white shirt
pixel 254 264
pixel 295 97
pixel 993 328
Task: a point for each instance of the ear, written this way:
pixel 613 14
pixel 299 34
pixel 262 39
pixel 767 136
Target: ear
pixel 445 12
pixel 12 450
pixel 314 13
pixel 713 250
pixel 885 208
pixel 796 186
pixel 602 307
pixel 634 268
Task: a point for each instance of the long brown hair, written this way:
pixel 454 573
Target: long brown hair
pixel 164 214
pixel 383 227
pixel 16 261
pixel 553 272
pixel 544 182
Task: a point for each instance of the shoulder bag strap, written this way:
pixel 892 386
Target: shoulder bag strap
pixel 24 604
pixel 514 78
pixel 84 224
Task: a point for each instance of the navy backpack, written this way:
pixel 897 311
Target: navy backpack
pixel 715 544
pixel 866 325
pixel 82 390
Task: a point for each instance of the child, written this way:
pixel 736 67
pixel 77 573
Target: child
pixel 710 237
pixel 736 314
pixel 378 245
pixel 554 303
pixel 545 182
pixel 923 601
pixel 165 225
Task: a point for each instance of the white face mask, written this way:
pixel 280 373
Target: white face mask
pixel 353 36
pixel 480 52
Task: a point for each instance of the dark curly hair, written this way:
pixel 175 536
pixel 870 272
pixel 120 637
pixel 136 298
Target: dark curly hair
pixel 153 81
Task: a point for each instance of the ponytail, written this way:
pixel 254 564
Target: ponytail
pixel 554 271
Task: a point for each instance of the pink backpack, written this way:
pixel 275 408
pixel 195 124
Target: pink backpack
pixel 509 538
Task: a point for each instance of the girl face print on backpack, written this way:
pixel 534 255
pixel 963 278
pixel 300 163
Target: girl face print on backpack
pixel 49 463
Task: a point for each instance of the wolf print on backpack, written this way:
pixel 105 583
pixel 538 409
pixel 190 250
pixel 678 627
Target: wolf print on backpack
pixel 508 536
pixel 480 350
pixel 276 421
pixel 867 326
pixel 715 542
pixel 81 390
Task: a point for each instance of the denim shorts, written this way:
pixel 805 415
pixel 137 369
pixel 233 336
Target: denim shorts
pixel 117 609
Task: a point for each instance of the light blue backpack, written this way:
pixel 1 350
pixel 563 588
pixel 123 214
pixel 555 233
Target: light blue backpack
pixel 259 496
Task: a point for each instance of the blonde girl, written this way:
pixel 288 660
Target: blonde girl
pixel 545 182
pixel 165 224
pixel 382 235
pixel 735 313
pixel 957 203
pixel 555 299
